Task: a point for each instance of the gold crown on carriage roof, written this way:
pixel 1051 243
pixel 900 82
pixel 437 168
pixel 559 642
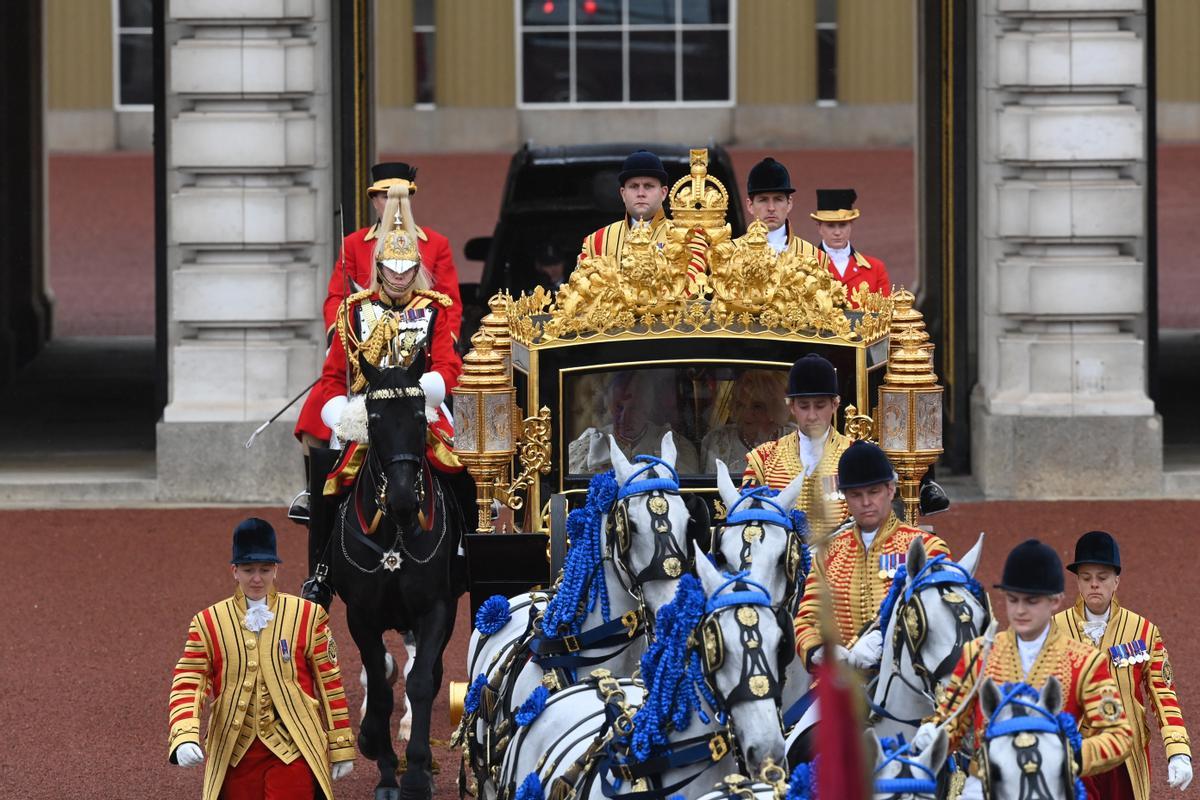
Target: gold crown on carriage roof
pixel 699 200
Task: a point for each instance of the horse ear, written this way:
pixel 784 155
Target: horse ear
pixel 916 558
pixel 989 697
pixel 970 562
pixel 620 463
pixel 874 750
pixel 787 497
pixel 1052 695
pixel 667 448
pixel 935 755
pixel 729 493
pixel 369 371
pixel 710 577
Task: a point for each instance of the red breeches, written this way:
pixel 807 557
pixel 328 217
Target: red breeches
pixel 260 775
pixel 1111 785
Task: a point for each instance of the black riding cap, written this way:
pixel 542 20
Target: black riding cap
pixel 768 175
pixel 254 543
pixel 641 164
pixel 1032 568
pixel 863 464
pixel 812 376
pixel 1096 547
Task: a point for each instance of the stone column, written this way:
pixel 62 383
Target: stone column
pixel 250 239
pixel 1061 408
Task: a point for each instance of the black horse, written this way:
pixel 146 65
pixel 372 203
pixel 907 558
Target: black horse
pixel 394 560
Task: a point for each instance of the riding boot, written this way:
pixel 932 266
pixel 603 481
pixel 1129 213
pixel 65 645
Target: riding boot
pixel 321 516
pixel 298 510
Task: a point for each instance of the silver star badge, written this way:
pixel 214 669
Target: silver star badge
pixel 390 561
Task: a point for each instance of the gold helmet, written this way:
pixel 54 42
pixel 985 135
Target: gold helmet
pixel 397 247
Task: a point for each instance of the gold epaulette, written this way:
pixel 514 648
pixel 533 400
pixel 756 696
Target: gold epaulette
pixel 441 299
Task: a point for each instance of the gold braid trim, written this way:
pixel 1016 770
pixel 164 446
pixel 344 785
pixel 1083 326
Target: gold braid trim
pixel 373 348
pixel 441 299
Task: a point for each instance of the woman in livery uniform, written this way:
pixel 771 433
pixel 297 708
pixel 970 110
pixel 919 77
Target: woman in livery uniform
pixel 396 322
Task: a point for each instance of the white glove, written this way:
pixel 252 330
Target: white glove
pixel 189 754
pixel 867 651
pixel 342 768
pixel 972 789
pixel 1179 772
pixel 331 412
pixel 434 387
pixel 924 737
pixel 839 653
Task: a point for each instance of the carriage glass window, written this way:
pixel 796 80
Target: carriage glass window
pixel 713 411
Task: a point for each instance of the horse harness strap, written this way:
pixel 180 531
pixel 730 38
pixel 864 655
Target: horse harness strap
pixel 702 751
pixel 565 652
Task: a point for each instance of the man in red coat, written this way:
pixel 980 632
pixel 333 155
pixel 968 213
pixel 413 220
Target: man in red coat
pixel 359 249
pixel 834 215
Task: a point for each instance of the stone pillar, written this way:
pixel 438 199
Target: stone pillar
pixel 250 239
pixel 1061 408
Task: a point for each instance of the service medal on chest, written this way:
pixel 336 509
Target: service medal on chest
pixel 390 561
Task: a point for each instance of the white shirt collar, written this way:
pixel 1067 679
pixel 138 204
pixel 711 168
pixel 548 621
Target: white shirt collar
pixel 869 536
pixel 811 451
pixel 1095 624
pixel 839 257
pixel 1029 650
pixel 1097 617
pixel 778 238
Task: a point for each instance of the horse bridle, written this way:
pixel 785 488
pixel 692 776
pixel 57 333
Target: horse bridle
pixel 377 468
pixel 912 628
pixel 906 782
pixel 756 681
pixel 668 561
pixel 762 508
pixel 1023 726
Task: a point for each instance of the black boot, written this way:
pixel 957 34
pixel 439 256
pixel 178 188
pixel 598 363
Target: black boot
pixel 298 510
pixel 933 498
pixel 321 513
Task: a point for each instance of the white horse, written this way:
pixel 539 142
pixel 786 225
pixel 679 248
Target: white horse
pixel 632 565
pixel 718 632
pixel 934 608
pixel 1029 747
pixel 758 535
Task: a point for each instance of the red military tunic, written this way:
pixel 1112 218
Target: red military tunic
pixel 856 581
pixel 1090 694
pixel 1151 680
pixel 360 259
pixel 438 353
pixel 861 271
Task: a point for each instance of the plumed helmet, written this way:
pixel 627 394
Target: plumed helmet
pixel 1096 547
pixel 768 175
pixel 812 376
pixel 643 163
pixel 864 464
pixel 254 543
pixel 1032 568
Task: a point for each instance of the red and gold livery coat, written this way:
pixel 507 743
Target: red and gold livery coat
pixel 1138 682
pixel 436 350
pixel 777 463
pixel 862 271
pixel 1089 694
pixel 289 667
pixel 609 240
pixel 359 248
pixel 856 579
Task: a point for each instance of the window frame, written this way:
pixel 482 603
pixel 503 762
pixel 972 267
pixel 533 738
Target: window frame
pixel 624 28
pixel 430 29
pixel 117 30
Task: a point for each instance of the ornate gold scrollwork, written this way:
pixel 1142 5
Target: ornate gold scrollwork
pixel 534 455
pixel 859 426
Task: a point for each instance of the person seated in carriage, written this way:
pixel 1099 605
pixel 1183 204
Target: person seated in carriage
pixel 1030 652
pixel 399 321
pixel 758 413
pixel 860 561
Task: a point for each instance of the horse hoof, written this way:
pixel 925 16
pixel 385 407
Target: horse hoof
pixel 387 793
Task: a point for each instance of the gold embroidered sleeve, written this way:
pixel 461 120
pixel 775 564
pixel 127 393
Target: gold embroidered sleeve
pixel 1107 735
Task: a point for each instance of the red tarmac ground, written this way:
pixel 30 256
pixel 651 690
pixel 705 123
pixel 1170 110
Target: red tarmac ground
pixel 102 223
pixel 99 601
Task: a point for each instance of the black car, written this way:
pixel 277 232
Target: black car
pixel 553 197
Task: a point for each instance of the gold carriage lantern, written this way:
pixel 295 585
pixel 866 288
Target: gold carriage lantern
pixel 910 414
pixel 484 408
pixel 495 325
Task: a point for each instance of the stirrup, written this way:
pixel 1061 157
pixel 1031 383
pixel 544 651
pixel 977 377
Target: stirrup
pixel 316 589
pixel 297 511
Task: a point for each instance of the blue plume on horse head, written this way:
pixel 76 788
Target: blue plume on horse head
pixel 675 686
pixel 802 783
pixel 582 584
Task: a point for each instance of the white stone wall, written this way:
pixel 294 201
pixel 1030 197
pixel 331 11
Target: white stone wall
pixel 1061 210
pixel 250 235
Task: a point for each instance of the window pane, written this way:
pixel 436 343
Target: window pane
pixel 652 66
pixel 423 51
pixel 651 12
pixel 546 12
pixel 706 12
pixel 546 68
pixel 705 65
pixel 827 64
pixel 423 12
pixel 598 12
pixel 136 14
pixel 137 75
pixel 598 67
